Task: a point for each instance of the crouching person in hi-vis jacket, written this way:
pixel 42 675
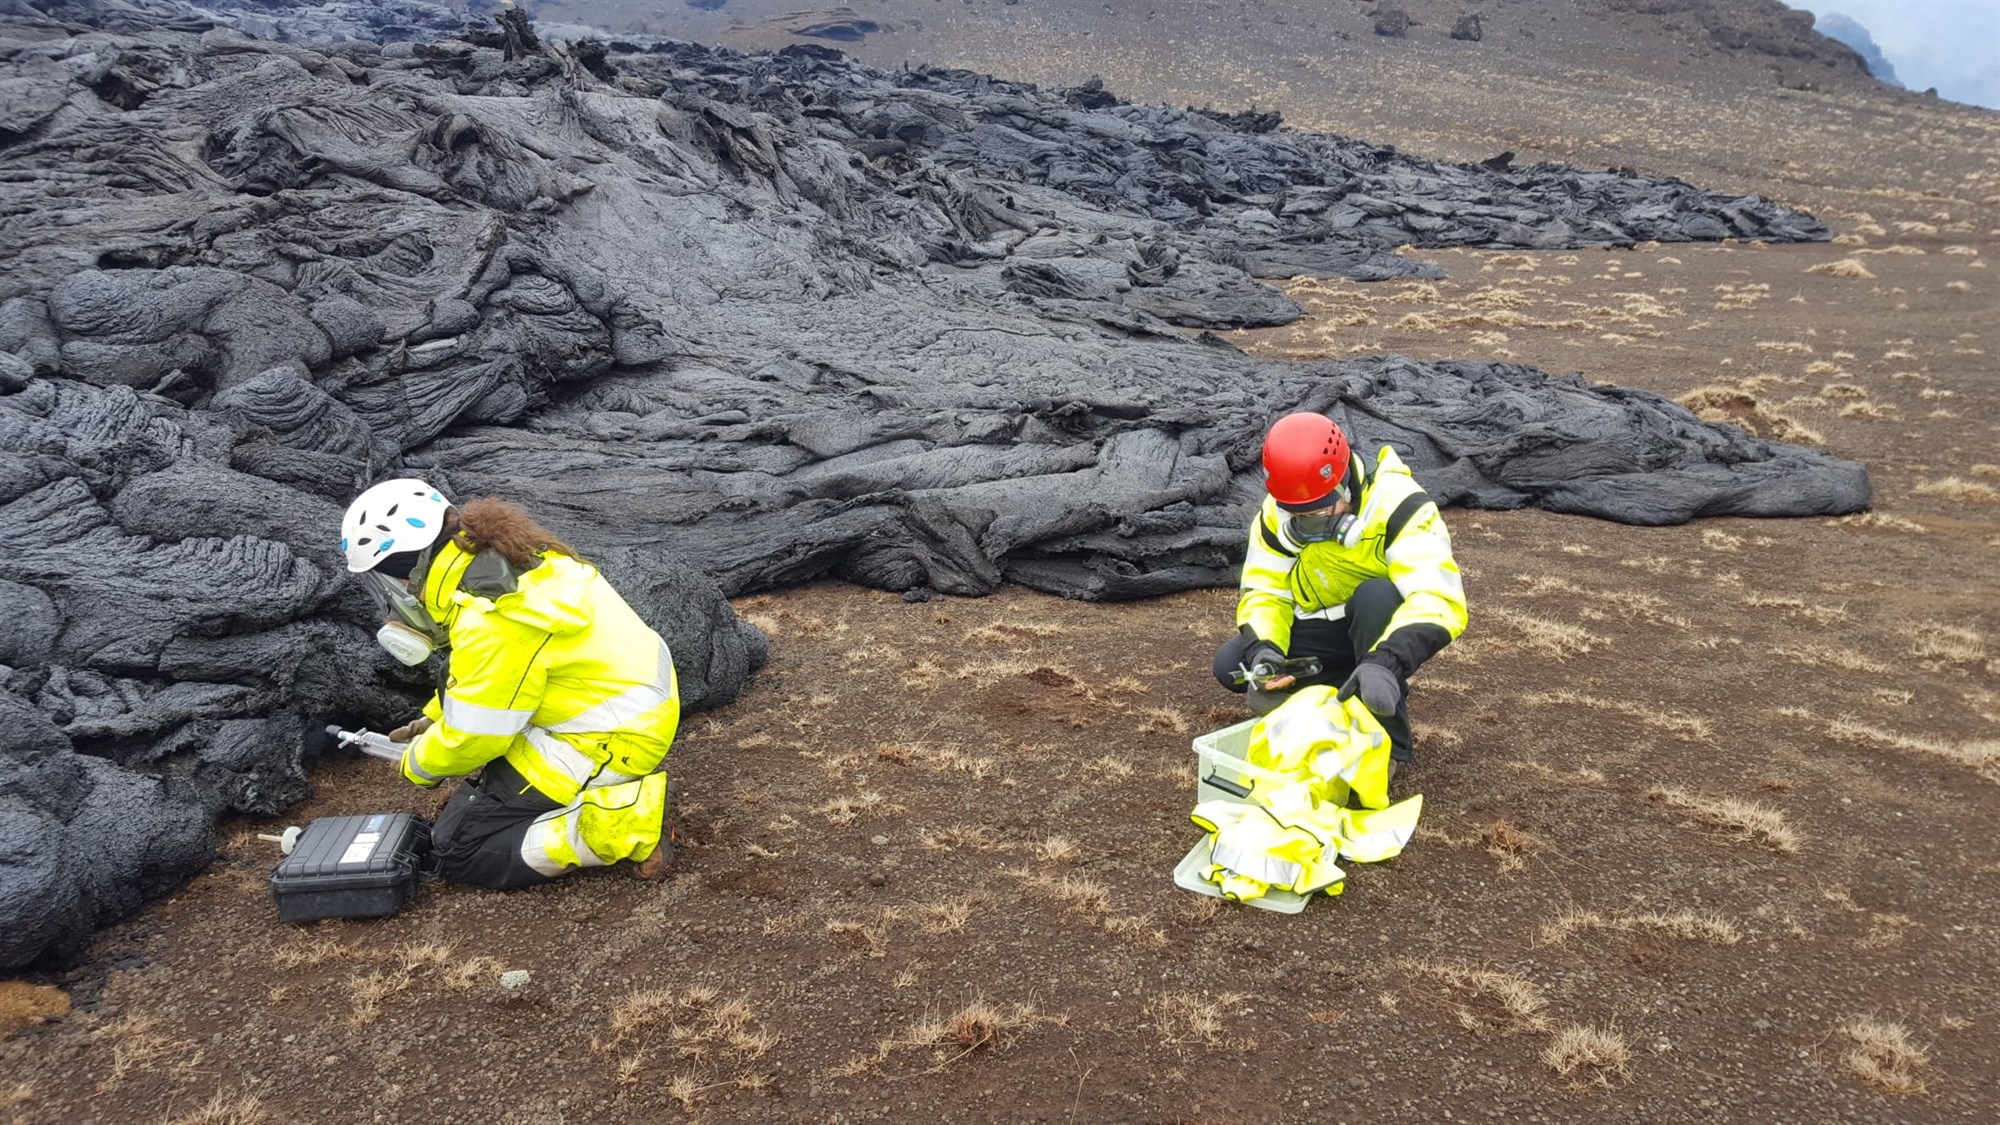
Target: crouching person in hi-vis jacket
pixel 1349 563
pixel 557 695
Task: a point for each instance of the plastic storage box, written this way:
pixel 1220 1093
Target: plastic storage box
pixel 1187 876
pixel 1220 771
pixel 351 867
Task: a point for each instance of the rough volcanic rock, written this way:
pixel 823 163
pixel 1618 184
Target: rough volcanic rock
pixel 726 322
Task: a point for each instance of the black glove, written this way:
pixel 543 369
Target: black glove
pixel 1379 689
pixel 1263 653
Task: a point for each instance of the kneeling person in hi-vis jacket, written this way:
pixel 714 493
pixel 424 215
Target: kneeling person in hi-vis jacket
pixel 1349 563
pixel 557 695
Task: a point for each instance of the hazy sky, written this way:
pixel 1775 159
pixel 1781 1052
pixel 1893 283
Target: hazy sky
pixel 1951 44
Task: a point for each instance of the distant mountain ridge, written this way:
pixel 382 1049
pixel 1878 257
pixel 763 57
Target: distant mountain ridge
pixel 1845 30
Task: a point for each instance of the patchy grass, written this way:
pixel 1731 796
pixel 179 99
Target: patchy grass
pixel 1184 1018
pixel 1054 849
pixel 1748 411
pixel 1552 638
pixel 1955 488
pixel 1827 656
pixel 1487 1000
pixel 1953 644
pixel 978 1025
pixel 226 1108
pixel 1845 267
pixel 1880 521
pixel 1746 820
pixel 1508 844
pixel 1682 925
pixel 1594 1054
pixel 1687 728
pixel 1981 756
pixel 138 1047
pixel 1882 1054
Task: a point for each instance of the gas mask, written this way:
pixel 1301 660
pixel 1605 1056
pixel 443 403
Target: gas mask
pixel 1318 527
pixel 1323 526
pixel 408 633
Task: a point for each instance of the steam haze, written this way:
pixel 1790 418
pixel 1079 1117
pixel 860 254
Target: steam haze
pixel 1953 45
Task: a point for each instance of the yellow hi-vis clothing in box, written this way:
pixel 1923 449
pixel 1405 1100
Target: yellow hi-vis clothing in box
pixel 562 679
pixel 1398 534
pixel 1290 838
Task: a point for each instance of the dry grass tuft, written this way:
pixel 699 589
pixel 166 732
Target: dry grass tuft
pixel 978 1025
pixel 1165 720
pixel 307 950
pixel 1487 1000
pixel 1748 820
pixel 1982 757
pixel 1817 613
pixel 946 917
pixel 847 810
pixel 1599 1053
pixel 1953 644
pixel 1687 728
pixel 470 973
pixel 1183 1018
pixel 1509 844
pixel 1954 488
pixel 1845 267
pixel 1883 1055
pixel 1054 849
pixel 1880 521
pixel 1746 411
pixel 137 1047
pixel 1683 925
pixel 226 1109
pixel 1826 656
pixel 1112 767
pixel 697 1026
pixel 1551 637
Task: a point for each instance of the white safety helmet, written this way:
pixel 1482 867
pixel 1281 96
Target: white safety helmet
pixel 399 515
pixel 396 518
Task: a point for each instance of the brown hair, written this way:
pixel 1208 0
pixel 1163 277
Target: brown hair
pixel 506 527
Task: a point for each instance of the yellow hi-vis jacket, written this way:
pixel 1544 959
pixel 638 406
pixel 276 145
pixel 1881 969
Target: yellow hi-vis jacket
pixel 561 678
pixel 1398 534
pixel 1289 838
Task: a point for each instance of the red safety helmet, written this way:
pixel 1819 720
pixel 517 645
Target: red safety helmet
pixel 1305 462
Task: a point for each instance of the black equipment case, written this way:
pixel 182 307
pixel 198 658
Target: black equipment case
pixel 352 867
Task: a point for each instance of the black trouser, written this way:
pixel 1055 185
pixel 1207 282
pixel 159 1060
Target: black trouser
pixel 1340 645
pixel 478 835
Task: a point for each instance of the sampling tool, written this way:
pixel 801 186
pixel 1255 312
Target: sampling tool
pixel 1261 674
pixel 369 742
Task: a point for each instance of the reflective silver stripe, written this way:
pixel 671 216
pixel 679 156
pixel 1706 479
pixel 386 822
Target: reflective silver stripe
pixel 1378 840
pixel 1260 866
pixel 1330 764
pixel 574 763
pixel 536 854
pixel 410 765
pixel 626 706
pixel 1330 613
pixel 584 855
pixel 475 719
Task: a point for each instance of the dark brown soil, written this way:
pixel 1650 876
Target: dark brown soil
pixel 927 874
